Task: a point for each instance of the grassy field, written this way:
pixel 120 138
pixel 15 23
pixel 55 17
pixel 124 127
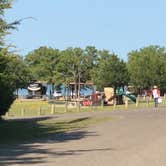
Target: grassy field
pixel 38 107
pixel 29 130
pixel 29 108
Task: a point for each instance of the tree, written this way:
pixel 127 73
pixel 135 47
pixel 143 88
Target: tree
pixel 4 26
pixel 19 72
pixel 6 86
pixel 91 60
pixel 109 70
pixel 75 65
pixel 147 67
pixel 13 75
pixel 71 67
pixel 6 79
pixel 42 63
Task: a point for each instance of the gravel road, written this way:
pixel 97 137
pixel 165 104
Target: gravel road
pixel 131 138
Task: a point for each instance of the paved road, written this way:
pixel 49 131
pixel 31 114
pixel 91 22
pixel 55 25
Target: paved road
pixel 132 138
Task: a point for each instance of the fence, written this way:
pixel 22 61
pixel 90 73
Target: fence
pixel 22 108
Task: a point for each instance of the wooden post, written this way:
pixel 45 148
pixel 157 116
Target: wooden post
pixel 7 114
pixel 79 106
pixel 91 106
pixel 66 105
pixel 22 112
pixel 102 103
pixel 147 101
pixel 52 108
pixel 126 102
pixel 39 111
pixel 114 104
pixel 137 101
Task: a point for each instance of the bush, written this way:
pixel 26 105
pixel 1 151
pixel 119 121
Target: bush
pixel 6 94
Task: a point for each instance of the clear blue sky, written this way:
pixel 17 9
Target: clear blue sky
pixel 116 25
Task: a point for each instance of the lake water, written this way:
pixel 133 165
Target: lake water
pixel 83 92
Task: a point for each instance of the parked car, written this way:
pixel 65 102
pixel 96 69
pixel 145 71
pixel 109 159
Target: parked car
pixel 57 94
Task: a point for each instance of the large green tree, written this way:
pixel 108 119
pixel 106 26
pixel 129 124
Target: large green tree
pixel 109 70
pixel 71 67
pixel 18 71
pixel 75 65
pixel 147 67
pixel 13 75
pixel 42 63
pixel 8 63
pixel 91 60
pixel 6 85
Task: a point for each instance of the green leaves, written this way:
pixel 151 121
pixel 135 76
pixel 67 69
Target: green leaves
pixel 144 67
pixel 6 85
pixel 109 70
pixel 77 65
pixel 42 63
pixel 4 26
pixel 147 66
pixel 12 69
pixel 65 66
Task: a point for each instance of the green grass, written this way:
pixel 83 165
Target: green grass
pixel 25 131
pixel 29 108
pixel 36 108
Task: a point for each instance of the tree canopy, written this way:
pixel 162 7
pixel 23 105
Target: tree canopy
pixel 144 68
pixel 147 67
pixel 109 70
pixel 77 65
pixel 12 68
pixel 42 63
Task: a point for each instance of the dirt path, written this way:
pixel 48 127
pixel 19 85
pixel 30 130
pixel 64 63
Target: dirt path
pixel 132 138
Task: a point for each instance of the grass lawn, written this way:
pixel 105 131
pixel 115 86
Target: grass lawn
pixel 29 108
pixel 27 130
pixel 37 107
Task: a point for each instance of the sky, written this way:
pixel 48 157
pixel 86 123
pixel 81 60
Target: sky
pixel 119 26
